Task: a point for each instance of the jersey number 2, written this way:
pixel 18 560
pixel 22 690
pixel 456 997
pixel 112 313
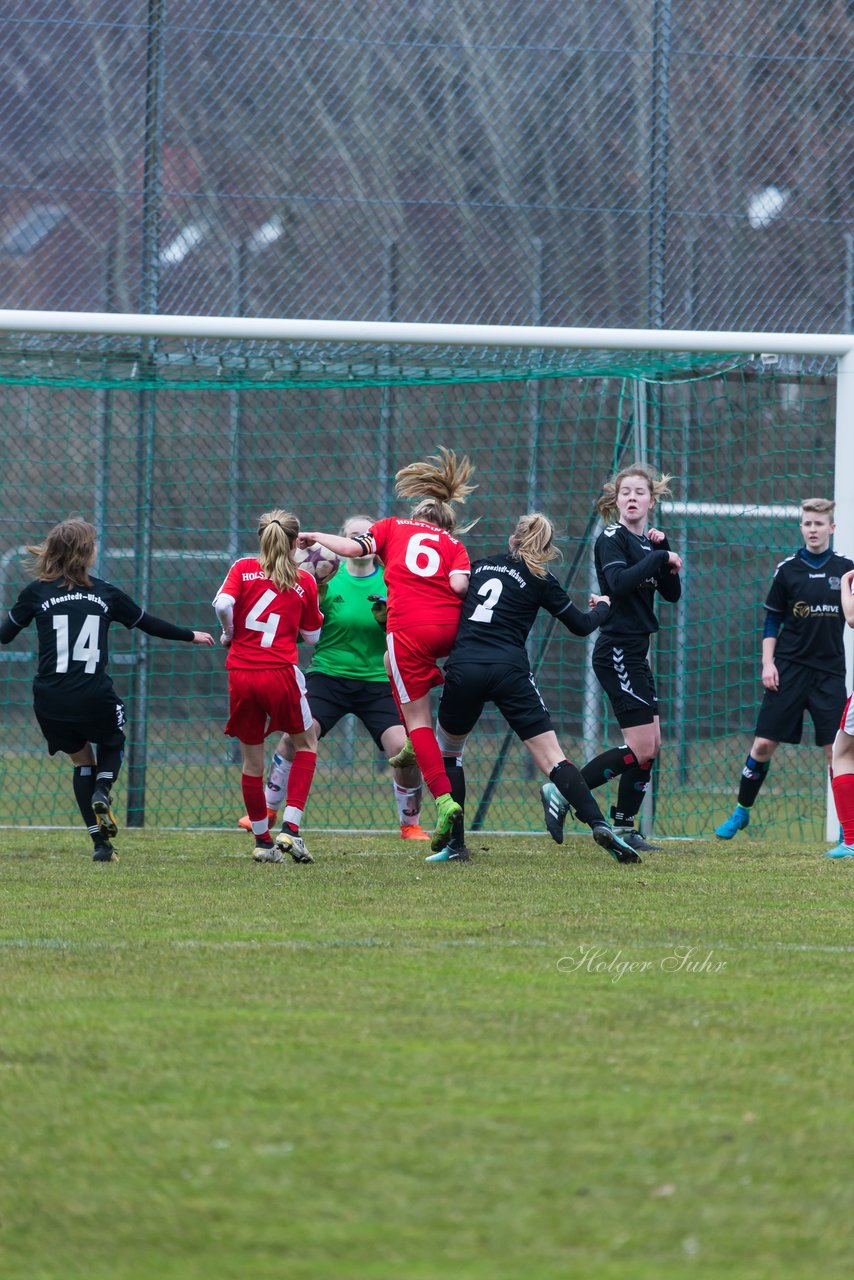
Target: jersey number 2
pixel 85 646
pixel 491 591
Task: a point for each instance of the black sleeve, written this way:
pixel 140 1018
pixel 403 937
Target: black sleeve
pixel 620 579
pixel 162 629
pixel 19 616
pixel 582 624
pixel 777 600
pixel 9 629
pixel 123 609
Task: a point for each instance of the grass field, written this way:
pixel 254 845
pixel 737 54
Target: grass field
pixel 540 1064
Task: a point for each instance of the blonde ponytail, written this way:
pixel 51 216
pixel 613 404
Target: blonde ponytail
pixel 532 541
pixel 277 531
pixel 439 481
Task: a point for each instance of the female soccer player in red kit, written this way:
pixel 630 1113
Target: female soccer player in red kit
pixel 263 605
pixel 426 576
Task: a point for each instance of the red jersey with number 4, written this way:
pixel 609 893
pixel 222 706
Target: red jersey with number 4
pixel 267 620
pixel 418 560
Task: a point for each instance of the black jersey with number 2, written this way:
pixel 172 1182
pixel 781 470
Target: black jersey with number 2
pixel 502 602
pixel 630 570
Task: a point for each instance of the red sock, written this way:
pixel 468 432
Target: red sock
pixel 253 798
pixel 299 779
pixel 430 763
pixel 843 794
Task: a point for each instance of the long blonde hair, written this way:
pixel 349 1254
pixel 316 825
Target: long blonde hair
pixel 439 481
pixel 277 533
pixel 532 541
pixel 606 504
pixel 67 552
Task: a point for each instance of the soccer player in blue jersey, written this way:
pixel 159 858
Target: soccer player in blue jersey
pixel 803 659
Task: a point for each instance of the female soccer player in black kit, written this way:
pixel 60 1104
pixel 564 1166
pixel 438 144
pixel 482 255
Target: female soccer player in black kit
pixel 632 563
pixel 75 702
pixel 803 655
pixel 489 663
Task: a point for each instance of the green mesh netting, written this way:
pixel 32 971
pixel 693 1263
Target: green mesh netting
pixel 173 457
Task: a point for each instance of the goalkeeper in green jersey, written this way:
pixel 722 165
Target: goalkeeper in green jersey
pixel 348 677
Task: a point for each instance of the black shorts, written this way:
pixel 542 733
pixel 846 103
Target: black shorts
pixel 101 722
pixel 333 697
pixel 622 669
pixel 822 694
pixel 470 685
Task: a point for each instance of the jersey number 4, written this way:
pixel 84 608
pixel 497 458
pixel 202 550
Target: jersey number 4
pixel 269 625
pixel 491 591
pixel 85 646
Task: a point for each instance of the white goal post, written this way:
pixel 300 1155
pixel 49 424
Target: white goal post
pixel 394 333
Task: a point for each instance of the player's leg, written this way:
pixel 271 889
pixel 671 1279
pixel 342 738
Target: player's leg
pixel 83 782
pixel 644 742
pixel 566 778
pixel 406 783
pixel 754 771
pixel 252 786
pixel 411 663
pixel 248 698
pixel 452 747
pixel 780 719
pixel 294 714
pixel 372 702
pixel 843 782
pixel 300 779
pixel 460 707
pixel 107 734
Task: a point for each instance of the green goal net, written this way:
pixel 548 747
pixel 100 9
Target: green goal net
pixel 173 454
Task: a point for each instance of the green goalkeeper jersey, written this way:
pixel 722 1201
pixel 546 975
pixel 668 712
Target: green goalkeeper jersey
pixel 351 644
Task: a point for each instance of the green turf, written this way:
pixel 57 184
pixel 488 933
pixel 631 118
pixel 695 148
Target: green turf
pixel 376 1068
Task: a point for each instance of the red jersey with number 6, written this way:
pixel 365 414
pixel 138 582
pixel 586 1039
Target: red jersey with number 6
pixel 267 620
pixel 418 559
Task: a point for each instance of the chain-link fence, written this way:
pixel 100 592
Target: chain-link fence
pixel 635 163
pixel 175 467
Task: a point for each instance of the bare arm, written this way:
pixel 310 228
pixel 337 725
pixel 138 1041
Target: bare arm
pixel 848 597
pixel 346 547
pixel 459 582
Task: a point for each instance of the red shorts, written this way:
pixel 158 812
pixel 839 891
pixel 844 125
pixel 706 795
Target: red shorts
pixel 846 724
pixel 274 694
pixel 412 656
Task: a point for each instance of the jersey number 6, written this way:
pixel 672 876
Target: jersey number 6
pixel 424 561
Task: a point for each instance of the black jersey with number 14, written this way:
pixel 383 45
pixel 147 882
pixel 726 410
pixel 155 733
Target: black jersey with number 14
pixel 72 625
pixel 502 603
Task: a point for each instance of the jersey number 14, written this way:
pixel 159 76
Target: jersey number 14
pixel 85 646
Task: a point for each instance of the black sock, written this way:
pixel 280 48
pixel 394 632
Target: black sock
pixel 457 778
pixel 84 785
pixel 634 782
pixel 109 763
pixel 570 783
pixel 753 775
pixel 608 765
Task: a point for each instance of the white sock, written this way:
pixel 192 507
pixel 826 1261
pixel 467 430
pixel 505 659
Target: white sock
pixel 408 800
pixel 259 828
pixel 293 815
pixel 277 782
